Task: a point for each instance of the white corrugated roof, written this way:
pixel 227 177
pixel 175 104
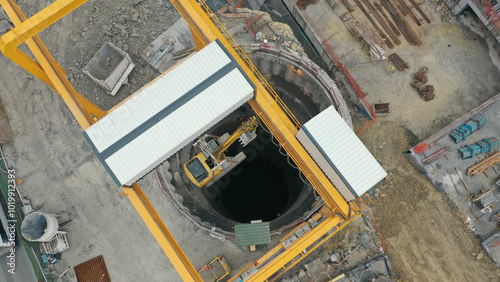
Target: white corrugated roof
pixel 342 150
pixel 169 113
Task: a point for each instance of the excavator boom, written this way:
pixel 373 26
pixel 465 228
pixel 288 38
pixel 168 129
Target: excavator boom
pixel 211 164
pixel 249 125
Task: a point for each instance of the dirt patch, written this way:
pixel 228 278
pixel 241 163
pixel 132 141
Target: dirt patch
pixel 425 236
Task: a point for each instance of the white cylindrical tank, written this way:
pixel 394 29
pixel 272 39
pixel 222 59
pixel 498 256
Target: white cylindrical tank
pixel 39 227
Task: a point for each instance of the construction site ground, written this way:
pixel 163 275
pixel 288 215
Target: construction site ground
pixel 443 171
pixel 425 237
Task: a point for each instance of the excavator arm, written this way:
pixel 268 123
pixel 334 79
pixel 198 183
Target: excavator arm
pixel 211 164
pixel 249 125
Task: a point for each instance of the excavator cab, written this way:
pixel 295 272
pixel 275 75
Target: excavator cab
pixel 211 163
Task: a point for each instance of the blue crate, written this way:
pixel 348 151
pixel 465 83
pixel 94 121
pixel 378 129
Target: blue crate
pixel 464 136
pixel 485 146
pixel 480 119
pixel 474 149
pixel 466 153
pixel 493 143
pixel 466 129
pixel 473 125
pixel 456 136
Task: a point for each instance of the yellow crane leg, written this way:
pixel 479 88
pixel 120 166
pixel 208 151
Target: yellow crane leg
pixel 167 242
pixel 47 69
pixel 19 57
pixel 299 155
pixel 196 18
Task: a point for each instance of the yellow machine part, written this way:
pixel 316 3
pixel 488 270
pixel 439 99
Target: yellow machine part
pixel 210 173
pixel 219 154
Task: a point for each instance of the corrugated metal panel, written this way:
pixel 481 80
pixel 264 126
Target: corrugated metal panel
pixel 163 91
pixel 169 113
pixel 340 154
pixel 325 166
pixel 252 234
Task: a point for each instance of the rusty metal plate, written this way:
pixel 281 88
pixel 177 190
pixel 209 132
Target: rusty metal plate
pixel 93 270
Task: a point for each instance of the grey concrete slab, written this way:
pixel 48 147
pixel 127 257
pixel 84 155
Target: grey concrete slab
pixel 437 173
pixel 181 36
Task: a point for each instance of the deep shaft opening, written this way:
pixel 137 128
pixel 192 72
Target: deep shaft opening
pixel 264 186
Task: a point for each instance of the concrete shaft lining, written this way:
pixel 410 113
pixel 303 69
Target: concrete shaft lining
pixel 270 58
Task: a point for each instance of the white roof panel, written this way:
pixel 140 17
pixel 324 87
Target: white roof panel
pixel 161 92
pixel 169 113
pixel 351 161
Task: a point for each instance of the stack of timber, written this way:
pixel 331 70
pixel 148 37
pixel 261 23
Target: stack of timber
pixel 390 22
pixel 377 28
pixel 398 62
pixel 401 22
pixel 484 164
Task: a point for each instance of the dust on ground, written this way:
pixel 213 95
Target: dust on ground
pixel 426 239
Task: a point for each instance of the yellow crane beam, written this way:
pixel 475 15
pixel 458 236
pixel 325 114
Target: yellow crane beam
pixel 47 69
pixel 166 240
pixel 268 106
pixel 302 247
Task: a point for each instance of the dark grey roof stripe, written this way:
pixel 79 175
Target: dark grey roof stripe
pixel 329 160
pixel 195 91
pixel 115 179
pixel 129 137
pixel 233 59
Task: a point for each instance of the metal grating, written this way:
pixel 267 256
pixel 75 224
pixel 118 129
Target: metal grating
pixel 93 270
pixel 252 234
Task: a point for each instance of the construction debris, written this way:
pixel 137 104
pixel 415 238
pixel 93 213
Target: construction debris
pixel 260 23
pixel 426 92
pixel 495 217
pixel 382 108
pixel 421 76
pixel 398 62
pixel 441 152
pixel 403 25
pixel 484 164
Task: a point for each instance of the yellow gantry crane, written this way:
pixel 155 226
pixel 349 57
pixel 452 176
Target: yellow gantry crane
pixel 269 108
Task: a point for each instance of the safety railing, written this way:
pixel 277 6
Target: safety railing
pixel 249 63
